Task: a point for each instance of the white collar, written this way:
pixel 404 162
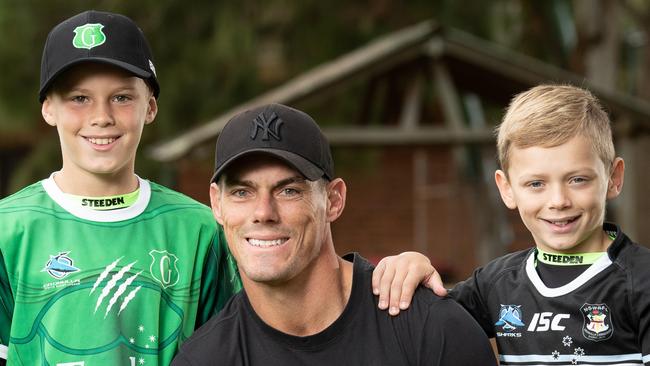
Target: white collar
pixel 86 213
pixel 585 276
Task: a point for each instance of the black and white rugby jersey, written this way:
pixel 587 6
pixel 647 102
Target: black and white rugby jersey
pixel 601 317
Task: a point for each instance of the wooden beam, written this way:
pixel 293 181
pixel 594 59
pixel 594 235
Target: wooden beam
pixel 391 136
pixel 387 50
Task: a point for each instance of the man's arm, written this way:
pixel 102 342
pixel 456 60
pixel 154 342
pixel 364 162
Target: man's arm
pixel 451 338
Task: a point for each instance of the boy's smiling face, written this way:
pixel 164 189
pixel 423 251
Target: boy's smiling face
pixel 560 193
pixel 99 111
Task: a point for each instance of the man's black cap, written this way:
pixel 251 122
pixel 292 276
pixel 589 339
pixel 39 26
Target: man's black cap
pixel 97 37
pixel 278 130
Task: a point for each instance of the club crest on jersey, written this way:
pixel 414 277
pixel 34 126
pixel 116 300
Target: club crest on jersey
pixel 510 318
pixel 163 268
pixel 60 265
pixel 597 324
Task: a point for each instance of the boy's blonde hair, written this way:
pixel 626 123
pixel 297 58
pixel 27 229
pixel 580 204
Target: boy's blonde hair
pixel 550 115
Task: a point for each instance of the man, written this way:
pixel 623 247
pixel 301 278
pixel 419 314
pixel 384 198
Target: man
pixel 276 195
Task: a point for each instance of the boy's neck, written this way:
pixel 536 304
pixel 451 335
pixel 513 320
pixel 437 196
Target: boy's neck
pixel 92 185
pixel 599 241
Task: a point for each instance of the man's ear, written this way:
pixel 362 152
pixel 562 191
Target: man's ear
pixel 152 110
pixel 215 202
pixel 505 189
pixel 336 193
pixel 47 112
pixel 616 178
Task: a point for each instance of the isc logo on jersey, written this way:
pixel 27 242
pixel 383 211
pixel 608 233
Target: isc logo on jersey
pixel 511 319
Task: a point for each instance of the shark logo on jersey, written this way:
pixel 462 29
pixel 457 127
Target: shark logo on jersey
pixel 597 324
pixel 509 320
pixel 163 267
pixel 60 265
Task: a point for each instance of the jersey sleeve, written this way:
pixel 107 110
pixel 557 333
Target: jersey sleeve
pixel 220 279
pixel 471 294
pixel 641 305
pixel 6 310
pixel 452 338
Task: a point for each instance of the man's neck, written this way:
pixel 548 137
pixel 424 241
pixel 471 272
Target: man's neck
pixel 308 304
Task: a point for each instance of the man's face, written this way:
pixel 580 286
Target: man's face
pixel 560 193
pixel 99 112
pixel 275 221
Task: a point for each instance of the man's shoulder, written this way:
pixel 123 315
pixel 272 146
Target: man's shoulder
pixel 220 329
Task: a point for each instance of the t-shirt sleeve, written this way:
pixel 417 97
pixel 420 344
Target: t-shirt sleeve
pixel 6 310
pixel 471 294
pixel 220 279
pixel 452 338
pixel 181 360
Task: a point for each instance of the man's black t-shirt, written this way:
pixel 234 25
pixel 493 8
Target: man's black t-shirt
pixel 433 331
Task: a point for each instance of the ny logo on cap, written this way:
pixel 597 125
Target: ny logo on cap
pixel 88 36
pixel 261 122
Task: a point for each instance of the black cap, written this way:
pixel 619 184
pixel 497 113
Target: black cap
pixel 97 37
pixel 278 130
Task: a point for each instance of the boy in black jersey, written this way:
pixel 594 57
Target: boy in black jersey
pixel 582 295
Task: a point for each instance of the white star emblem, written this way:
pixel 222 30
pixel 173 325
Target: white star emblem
pixel 555 355
pixel 567 341
pixel 131 340
pixel 574 361
pixel 579 352
pixel 140 328
pixel 146 346
pixel 141 361
pixel 152 338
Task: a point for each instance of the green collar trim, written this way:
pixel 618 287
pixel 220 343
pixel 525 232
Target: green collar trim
pixel 558 259
pixel 108 202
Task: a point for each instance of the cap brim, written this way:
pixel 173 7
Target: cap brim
pixel 302 165
pixel 144 74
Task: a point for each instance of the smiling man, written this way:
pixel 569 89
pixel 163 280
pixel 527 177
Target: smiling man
pixel 276 195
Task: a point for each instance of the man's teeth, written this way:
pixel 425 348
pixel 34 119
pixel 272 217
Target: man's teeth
pixel 101 141
pixel 265 243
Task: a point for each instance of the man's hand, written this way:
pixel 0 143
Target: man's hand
pixel 396 277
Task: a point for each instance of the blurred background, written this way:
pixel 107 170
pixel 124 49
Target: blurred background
pixel 408 93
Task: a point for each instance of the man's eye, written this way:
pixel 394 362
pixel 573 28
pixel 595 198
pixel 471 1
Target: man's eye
pixel 578 180
pixel 290 191
pixel 239 193
pixel 535 184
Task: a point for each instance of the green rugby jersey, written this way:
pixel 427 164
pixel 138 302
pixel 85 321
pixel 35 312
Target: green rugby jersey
pixel 80 287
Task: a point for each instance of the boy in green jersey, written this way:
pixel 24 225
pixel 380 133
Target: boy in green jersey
pixel 99 266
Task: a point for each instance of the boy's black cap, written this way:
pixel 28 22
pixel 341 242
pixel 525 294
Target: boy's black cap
pixel 278 130
pixel 98 37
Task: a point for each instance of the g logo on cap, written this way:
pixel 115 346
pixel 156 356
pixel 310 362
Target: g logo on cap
pixel 88 36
